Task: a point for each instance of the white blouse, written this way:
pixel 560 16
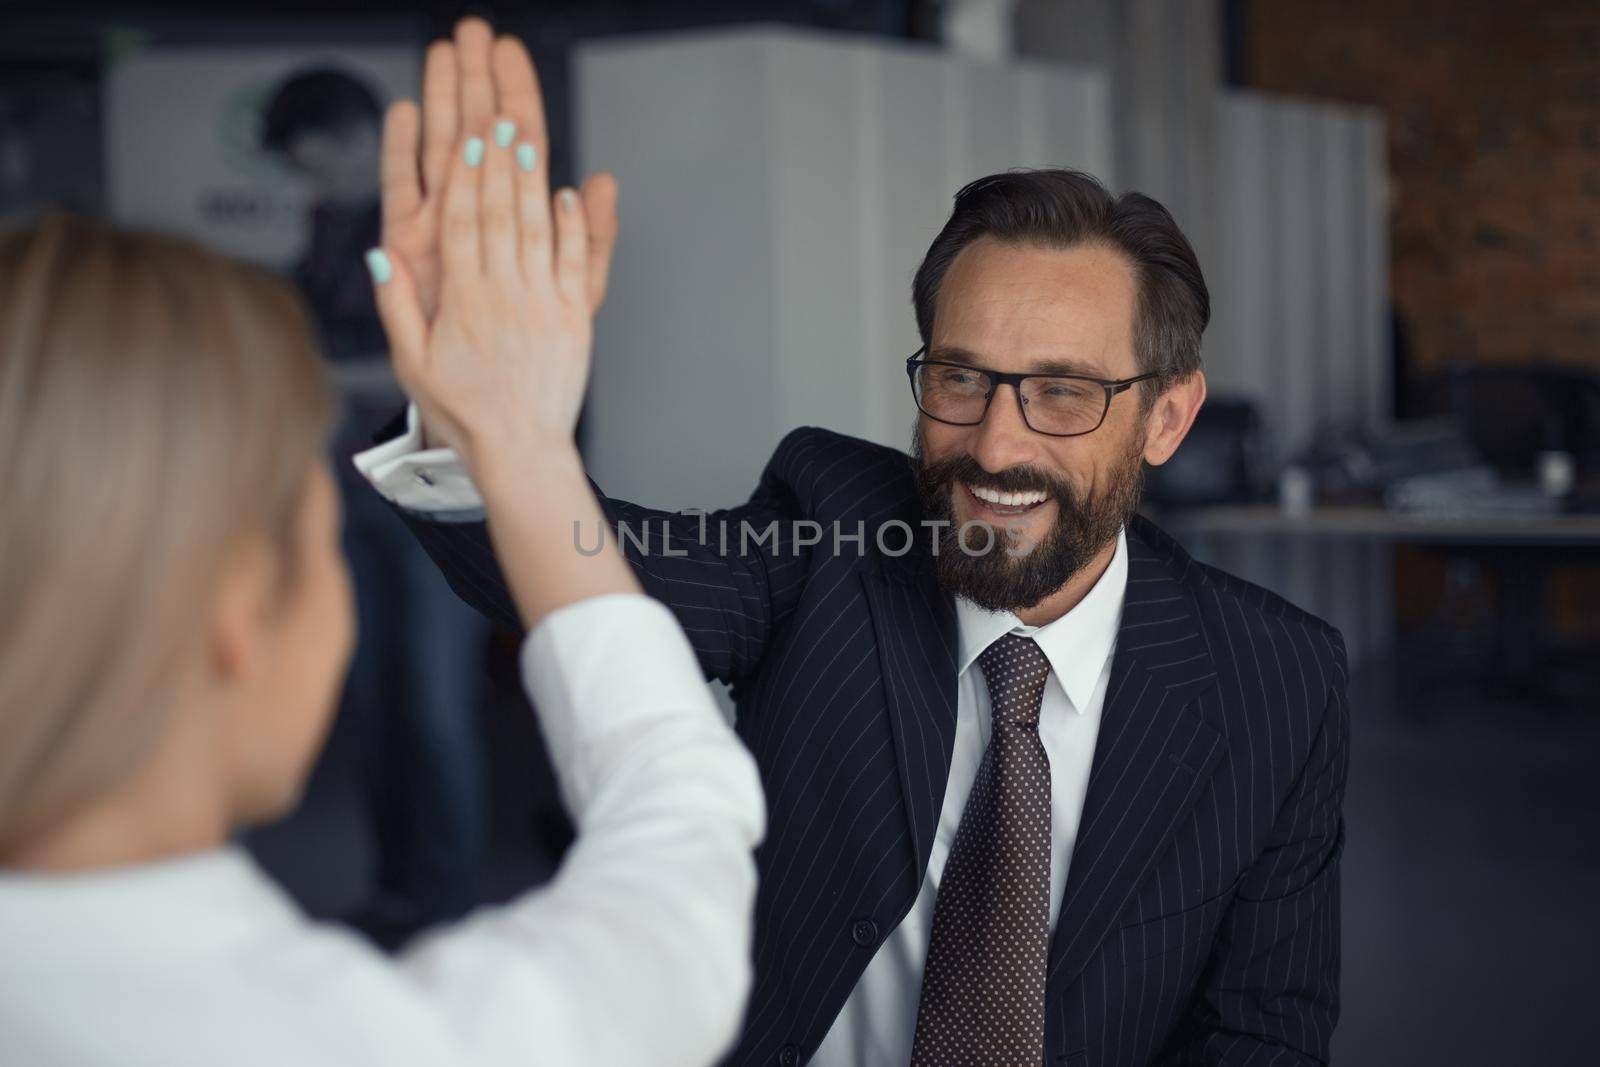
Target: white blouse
pixel 636 953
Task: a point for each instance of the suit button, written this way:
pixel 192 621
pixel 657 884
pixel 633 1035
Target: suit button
pixel 865 933
pixel 789 1056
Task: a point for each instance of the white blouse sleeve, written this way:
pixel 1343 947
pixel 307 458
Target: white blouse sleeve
pixel 638 952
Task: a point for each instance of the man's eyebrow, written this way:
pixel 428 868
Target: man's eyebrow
pixel 955 354
pixel 1067 366
pixel 1056 365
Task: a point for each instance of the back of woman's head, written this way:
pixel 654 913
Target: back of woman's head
pixel 159 406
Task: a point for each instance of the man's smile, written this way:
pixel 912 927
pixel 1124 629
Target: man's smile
pixel 995 507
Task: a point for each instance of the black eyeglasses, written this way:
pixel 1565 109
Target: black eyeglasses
pixel 1058 405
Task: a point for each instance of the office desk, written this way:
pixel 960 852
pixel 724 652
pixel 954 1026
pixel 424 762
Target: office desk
pixel 1542 531
pixel 1521 549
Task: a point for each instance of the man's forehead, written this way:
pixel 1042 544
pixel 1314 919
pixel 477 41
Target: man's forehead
pixel 1038 275
pixel 1046 310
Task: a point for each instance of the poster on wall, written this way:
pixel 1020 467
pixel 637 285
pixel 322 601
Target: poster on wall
pixel 265 153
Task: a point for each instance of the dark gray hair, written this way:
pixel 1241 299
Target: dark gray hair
pixel 1063 208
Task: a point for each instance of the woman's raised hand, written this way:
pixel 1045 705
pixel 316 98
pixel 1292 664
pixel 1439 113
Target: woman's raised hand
pixel 465 83
pixel 498 372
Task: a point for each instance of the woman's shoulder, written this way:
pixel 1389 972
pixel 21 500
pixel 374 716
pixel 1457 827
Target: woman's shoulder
pixel 196 960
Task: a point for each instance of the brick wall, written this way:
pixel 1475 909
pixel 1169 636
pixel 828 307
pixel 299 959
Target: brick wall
pixel 1494 146
pixel 1493 116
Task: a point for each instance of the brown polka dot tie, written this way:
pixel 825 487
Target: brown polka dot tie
pixel 983 988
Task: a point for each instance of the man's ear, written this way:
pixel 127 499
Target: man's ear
pixel 1168 422
pixel 241 610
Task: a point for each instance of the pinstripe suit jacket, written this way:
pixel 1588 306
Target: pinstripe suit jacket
pixel 1200 922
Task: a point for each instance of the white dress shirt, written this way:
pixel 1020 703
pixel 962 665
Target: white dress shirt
pixel 879 1019
pixel 637 952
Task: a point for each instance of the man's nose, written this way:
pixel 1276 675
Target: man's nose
pixel 1003 438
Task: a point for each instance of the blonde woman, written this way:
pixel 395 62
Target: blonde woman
pixel 175 621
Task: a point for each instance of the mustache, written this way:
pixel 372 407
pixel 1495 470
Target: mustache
pixel 1020 479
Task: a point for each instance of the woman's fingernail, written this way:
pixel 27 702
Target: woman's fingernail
pixel 474 151
pixel 504 131
pixel 527 156
pixel 569 200
pixel 378 263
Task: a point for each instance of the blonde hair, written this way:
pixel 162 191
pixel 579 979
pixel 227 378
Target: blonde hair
pixel 158 403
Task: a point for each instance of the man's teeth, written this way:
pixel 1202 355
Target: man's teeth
pixel 1007 500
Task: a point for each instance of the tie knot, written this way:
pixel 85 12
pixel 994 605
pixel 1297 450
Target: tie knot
pixel 1015 670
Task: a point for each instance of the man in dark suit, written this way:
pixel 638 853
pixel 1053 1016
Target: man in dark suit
pixel 1041 787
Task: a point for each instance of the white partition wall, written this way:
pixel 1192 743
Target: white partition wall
pixel 778 189
pixel 1300 324
pixel 1299 289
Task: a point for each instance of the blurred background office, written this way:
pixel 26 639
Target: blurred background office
pixel 1397 205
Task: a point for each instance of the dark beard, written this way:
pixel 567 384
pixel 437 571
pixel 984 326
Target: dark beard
pixel 1009 577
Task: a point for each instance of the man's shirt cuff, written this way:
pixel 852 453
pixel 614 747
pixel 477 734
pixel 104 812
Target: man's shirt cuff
pixel 429 480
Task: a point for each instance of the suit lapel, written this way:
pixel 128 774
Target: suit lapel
pixel 914 627
pixel 1154 754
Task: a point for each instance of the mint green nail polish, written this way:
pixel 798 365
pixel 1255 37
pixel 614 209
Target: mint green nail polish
pixel 474 152
pixel 378 263
pixel 504 131
pixel 527 156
